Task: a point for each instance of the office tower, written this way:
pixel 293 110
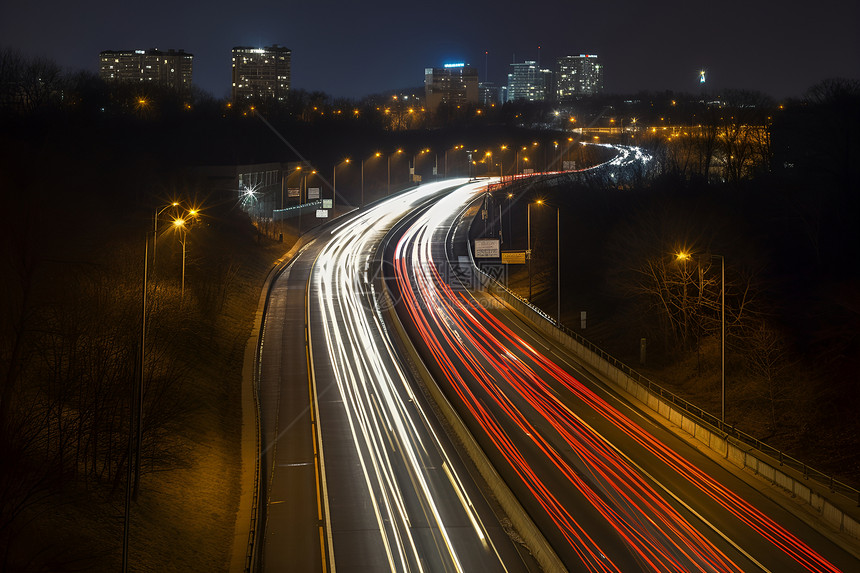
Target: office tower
pixel 261 74
pixel 526 81
pixel 170 69
pixel 578 76
pixel 491 94
pixel 455 84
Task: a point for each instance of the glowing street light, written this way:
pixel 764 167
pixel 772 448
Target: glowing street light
pixel 174 204
pixel 377 154
pixel 334 181
pixel 415 160
pixel 179 224
pixel 502 149
pixel 388 191
pixel 558 253
pixel 455 148
pixel 684 256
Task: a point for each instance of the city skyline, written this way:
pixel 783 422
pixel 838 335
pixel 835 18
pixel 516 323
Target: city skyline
pixel 353 51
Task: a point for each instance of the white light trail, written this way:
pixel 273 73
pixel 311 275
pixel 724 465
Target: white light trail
pixel 386 421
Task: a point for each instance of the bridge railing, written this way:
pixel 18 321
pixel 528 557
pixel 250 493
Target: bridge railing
pixel 703 417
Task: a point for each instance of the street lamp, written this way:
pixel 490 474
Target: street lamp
pixel 415 161
pixel 723 334
pixel 682 256
pixel 155 231
pixel 388 192
pixel 517 157
pixel 179 224
pixel 377 154
pixel 455 148
pixel 502 163
pixel 558 256
pixel 529 245
pixel 529 241
pixel 334 182
pixel 535 144
pixel 558 264
pixel 510 231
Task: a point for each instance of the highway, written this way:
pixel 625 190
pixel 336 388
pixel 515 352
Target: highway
pixel 611 490
pixel 359 474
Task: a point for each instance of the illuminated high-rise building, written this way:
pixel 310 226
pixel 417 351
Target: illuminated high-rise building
pixel 578 76
pixel 491 94
pixel 170 69
pixel 261 74
pixel 452 84
pixel 527 81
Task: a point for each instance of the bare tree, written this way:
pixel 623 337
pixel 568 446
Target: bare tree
pixel 768 357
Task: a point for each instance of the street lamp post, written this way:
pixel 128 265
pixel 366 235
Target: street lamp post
pixel 517 157
pixel 133 457
pixel 180 224
pixel 455 148
pixel 684 257
pixel 510 231
pixel 558 263
pixel 502 148
pixel 723 333
pixel 558 255
pixel 529 245
pixel 155 232
pixel 415 162
pixel 399 151
pixel 334 183
pixel 377 154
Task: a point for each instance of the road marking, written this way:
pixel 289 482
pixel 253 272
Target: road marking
pixel 319 466
pixel 670 493
pixel 322 549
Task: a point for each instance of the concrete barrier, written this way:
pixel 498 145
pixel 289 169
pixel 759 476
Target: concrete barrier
pixel 735 452
pixel 525 527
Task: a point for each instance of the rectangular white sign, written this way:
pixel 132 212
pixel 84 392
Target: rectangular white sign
pixel 486 248
pixel 322 213
pixel 327 203
pixel 313 193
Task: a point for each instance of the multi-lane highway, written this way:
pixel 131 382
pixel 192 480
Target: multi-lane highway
pixel 360 475
pixel 611 490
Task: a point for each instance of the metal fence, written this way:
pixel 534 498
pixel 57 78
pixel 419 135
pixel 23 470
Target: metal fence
pixel 704 418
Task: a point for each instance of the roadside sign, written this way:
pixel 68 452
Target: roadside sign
pixel 313 193
pixel 513 257
pixel 327 203
pixel 294 192
pixel 322 213
pixel 486 248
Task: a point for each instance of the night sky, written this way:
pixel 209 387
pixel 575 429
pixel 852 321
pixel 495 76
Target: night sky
pixel 353 49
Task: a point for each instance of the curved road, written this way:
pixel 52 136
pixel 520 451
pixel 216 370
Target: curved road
pixel 610 489
pixel 360 477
